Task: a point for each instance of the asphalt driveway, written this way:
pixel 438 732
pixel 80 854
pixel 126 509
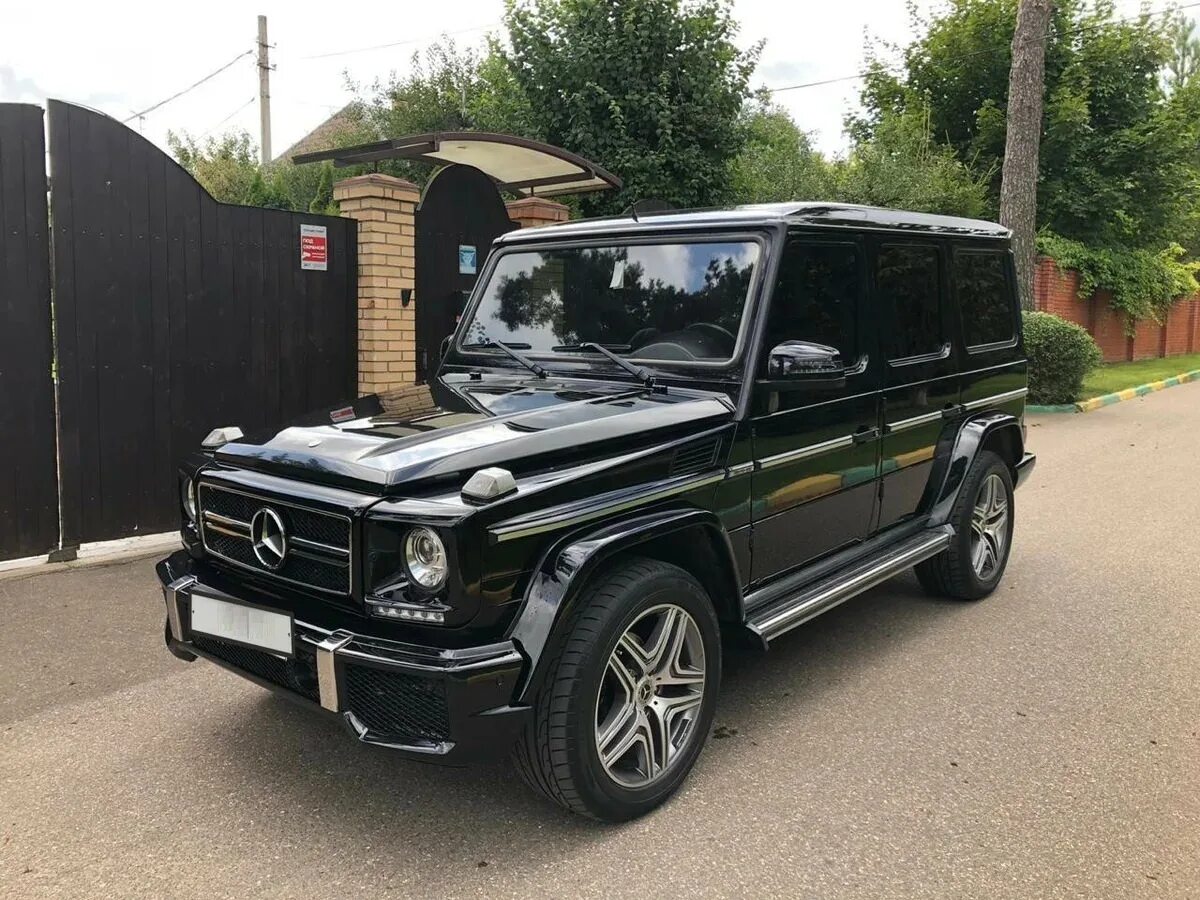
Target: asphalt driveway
pixel 1042 743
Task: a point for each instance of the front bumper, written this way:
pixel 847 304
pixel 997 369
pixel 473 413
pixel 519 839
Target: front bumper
pixel 442 705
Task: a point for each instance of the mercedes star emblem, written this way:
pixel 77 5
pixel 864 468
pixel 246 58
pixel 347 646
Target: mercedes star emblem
pixel 268 538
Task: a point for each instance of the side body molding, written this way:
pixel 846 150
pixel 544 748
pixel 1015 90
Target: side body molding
pixel 964 446
pixel 566 567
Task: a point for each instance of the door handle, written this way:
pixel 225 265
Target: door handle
pixel 953 410
pixel 864 434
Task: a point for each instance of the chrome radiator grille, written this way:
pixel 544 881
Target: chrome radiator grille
pixel 282 540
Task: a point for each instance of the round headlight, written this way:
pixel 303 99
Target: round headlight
pixel 187 491
pixel 425 557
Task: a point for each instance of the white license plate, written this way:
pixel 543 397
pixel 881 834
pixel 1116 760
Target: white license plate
pixel 244 624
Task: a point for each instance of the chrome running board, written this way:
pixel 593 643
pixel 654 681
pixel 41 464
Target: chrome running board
pixel 835 589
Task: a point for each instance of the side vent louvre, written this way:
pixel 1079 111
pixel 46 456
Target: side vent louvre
pixel 695 457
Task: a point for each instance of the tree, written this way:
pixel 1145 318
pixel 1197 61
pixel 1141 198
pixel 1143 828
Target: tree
pixel 1105 114
pixel 778 161
pixel 1018 185
pixel 1185 53
pixel 225 166
pixel 322 201
pixel 444 89
pixel 652 90
pixel 901 165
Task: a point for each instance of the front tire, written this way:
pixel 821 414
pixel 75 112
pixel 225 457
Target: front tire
pixel 630 695
pixel 982 517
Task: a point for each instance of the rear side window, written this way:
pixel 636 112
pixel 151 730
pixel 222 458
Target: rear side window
pixel 816 297
pixel 907 282
pixel 984 298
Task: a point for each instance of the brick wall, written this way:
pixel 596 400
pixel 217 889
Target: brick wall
pixel 1056 291
pixel 1180 333
pixel 385 208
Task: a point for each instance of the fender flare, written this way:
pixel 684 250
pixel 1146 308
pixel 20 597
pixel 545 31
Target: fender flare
pixel 562 572
pixel 966 444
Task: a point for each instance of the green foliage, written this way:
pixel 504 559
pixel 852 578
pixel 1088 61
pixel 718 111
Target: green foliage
pixel 443 89
pixel 650 89
pixel 899 164
pixel 778 162
pixel 322 201
pixel 226 166
pixel 1143 283
pixel 1060 354
pixel 1185 52
pixel 1118 159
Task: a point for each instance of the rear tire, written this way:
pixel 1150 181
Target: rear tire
pixel 638 666
pixel 982 517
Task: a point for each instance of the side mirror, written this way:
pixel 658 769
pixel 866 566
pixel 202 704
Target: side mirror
pixel 805 363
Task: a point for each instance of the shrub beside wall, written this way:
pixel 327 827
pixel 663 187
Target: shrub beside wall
pixel 1060 354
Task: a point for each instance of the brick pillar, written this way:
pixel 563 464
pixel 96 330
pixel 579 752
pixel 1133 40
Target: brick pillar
pixel 385 208
pixel 531 211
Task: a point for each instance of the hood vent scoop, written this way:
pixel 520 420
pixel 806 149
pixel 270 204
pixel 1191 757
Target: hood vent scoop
pixel 696 456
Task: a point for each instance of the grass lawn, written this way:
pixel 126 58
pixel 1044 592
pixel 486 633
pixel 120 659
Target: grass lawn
pixel 1118 376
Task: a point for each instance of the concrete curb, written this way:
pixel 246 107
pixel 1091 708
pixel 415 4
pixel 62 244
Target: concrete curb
pixel 1128 394
pixel 99 555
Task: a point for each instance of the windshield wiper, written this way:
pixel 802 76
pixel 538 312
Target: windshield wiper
pixel 519 357
pixel 645 376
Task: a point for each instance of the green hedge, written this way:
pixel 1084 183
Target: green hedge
pixel 1060 354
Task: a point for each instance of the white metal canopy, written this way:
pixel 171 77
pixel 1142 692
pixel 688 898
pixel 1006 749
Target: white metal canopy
pixel 516 164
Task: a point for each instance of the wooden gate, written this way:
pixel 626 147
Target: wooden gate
pixel 461 212
pixel 28 489
pixel 176 314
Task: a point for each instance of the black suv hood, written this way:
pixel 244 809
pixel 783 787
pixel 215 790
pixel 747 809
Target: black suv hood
pixel 453 428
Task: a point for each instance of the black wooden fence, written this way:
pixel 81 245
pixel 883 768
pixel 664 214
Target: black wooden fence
pixel 174 314
pixel 28 492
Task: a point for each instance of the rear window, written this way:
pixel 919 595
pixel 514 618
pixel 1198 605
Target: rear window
pixel 981 285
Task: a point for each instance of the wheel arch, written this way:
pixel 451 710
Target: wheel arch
pixel 688 537
pixel 999 432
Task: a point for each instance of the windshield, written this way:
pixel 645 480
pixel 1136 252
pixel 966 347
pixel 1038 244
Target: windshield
pixel 677 301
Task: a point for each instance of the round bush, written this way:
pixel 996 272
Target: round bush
pixel 1060 354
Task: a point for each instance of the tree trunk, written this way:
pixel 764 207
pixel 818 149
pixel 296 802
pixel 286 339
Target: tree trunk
pixel 1018 179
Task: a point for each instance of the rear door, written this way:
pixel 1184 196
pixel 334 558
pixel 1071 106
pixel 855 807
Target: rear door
pixel 816 452
pixel 921 380
pixel 993 362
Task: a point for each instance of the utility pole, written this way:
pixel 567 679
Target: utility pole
pixel 264 90
pixel 1019 174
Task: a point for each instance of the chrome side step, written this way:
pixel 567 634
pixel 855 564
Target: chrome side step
pixel 839 587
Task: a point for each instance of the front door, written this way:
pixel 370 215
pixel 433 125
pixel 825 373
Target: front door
pixel 816 452
pixel 921 384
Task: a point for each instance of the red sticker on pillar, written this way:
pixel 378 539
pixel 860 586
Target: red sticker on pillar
pixel 314 247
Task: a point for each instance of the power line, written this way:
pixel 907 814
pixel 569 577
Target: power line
pixel 212 128
pixel 403 43
pixel 191 87
pixel 856 76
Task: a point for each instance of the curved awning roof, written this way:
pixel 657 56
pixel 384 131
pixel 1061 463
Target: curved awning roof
pixel 516 164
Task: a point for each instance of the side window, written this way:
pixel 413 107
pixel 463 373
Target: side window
pixel 907 283
pixel 984 297
pixel 816 297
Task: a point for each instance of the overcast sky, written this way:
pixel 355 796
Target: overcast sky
pixel 123 56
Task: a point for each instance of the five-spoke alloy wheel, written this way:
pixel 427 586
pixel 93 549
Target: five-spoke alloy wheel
pixel 628 695
pixel 982 518
pixel 651 692
pixel 989 527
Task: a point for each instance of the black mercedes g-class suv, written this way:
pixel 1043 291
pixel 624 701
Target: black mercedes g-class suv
pixel 645 432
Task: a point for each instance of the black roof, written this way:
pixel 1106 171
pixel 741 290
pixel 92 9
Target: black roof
pixel 828 215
